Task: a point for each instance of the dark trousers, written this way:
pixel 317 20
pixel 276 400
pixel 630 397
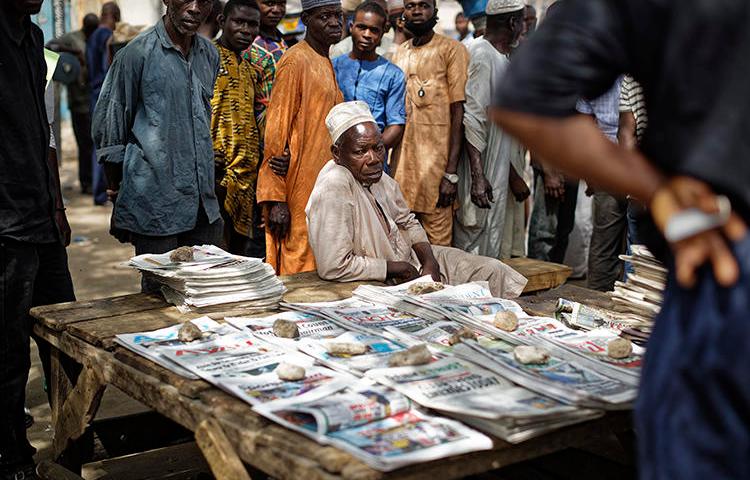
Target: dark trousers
pixel 608 241
pixel 693 411
pixel 203 233
pixel 82 130
pixel 32 275
pixel 551 222
pixel 238 244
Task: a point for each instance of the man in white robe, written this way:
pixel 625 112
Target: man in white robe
pixel 360 227
pixel 490 218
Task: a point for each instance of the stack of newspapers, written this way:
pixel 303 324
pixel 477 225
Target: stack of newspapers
pixel 210 276
pixel 641 296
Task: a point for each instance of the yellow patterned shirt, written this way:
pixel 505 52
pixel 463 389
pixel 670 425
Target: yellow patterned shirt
pixel 235 136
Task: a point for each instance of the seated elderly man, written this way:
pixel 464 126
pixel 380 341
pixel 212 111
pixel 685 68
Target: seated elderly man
pixel 360 227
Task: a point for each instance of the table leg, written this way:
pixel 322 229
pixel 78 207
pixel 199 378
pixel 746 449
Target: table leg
pixel 220 454
pixel 76 394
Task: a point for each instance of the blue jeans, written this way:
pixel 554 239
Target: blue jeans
pixel 693 412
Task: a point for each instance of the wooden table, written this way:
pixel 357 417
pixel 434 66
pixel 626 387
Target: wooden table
pixel 227 431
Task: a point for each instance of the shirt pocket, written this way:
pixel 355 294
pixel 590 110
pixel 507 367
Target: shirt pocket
pixel 427 102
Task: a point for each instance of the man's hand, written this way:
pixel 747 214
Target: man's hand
pixel 280 164
pixel 279 220
pixel 554 184
pixel 447 195
pixel 432 269
pixel 680 193
pixel 481 192
pixel 400 272
pixel 62 223
pixel 517 186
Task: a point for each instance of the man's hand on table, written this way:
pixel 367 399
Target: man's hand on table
pixel 400 272
pixel 279 219
pixel 680 193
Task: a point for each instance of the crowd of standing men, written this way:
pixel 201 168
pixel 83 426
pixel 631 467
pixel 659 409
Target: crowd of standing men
pixel 203 140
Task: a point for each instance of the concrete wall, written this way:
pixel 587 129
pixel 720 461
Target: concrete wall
pixel 134 12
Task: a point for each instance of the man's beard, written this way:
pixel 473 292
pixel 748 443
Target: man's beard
pixel 421 29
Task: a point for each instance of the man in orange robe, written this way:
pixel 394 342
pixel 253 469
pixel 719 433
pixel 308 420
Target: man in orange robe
pixel 297 144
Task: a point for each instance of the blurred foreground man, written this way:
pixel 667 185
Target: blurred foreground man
pixel 234 131
pixel 33 227
pixel 152 134
pixel 693 414
pixel 298 145
pixel 361 228
pixel 425 164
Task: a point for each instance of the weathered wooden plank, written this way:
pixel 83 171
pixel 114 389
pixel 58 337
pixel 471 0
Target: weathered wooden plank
pixel 59 315
pixel 219 452
pixel 78 410
pixel 47 470
pixel 186 386
pixel 177 462
pixel 540 275
pixel 543 304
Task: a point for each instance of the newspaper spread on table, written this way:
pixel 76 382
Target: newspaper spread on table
pixel 377 352
pixel 564 380
pixel 151 344
pixel 377 425
pixel 245 366
pixel 309 326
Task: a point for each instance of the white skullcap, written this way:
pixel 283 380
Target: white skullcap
pixel 498 7
pixel 345 115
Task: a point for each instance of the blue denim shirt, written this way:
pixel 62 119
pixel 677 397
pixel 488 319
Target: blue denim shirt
pixel 154 116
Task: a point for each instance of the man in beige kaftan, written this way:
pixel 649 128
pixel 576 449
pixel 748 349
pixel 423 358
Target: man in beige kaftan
pixel 360 227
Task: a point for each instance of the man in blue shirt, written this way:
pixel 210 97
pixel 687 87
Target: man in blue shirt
pixel 365 75
pixel 152 133
pixel 98 59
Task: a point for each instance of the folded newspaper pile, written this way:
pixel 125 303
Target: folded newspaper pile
pixel 210 276
pixel 641 296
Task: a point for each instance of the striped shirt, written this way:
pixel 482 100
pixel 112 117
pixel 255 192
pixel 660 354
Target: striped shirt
pixel 632 100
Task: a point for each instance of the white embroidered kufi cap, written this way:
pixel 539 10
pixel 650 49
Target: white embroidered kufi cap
pixel 498 7
pixel 345 115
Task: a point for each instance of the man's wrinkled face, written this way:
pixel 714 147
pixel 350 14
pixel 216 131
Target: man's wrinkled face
pixel 325 24
pixel 271 13
pixel 187 15
pixel 240 27
pixel 26 7
pixel 367 31
pixel 419 11
pixel 362 152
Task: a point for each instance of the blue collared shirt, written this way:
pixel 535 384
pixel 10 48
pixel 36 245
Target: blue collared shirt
pixel 154 117
pixel 606 110
pixel 380 84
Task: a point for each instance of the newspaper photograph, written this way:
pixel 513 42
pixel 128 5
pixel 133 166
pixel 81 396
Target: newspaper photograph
pixel 319 382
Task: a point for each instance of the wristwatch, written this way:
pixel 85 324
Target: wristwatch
pixel 451 177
